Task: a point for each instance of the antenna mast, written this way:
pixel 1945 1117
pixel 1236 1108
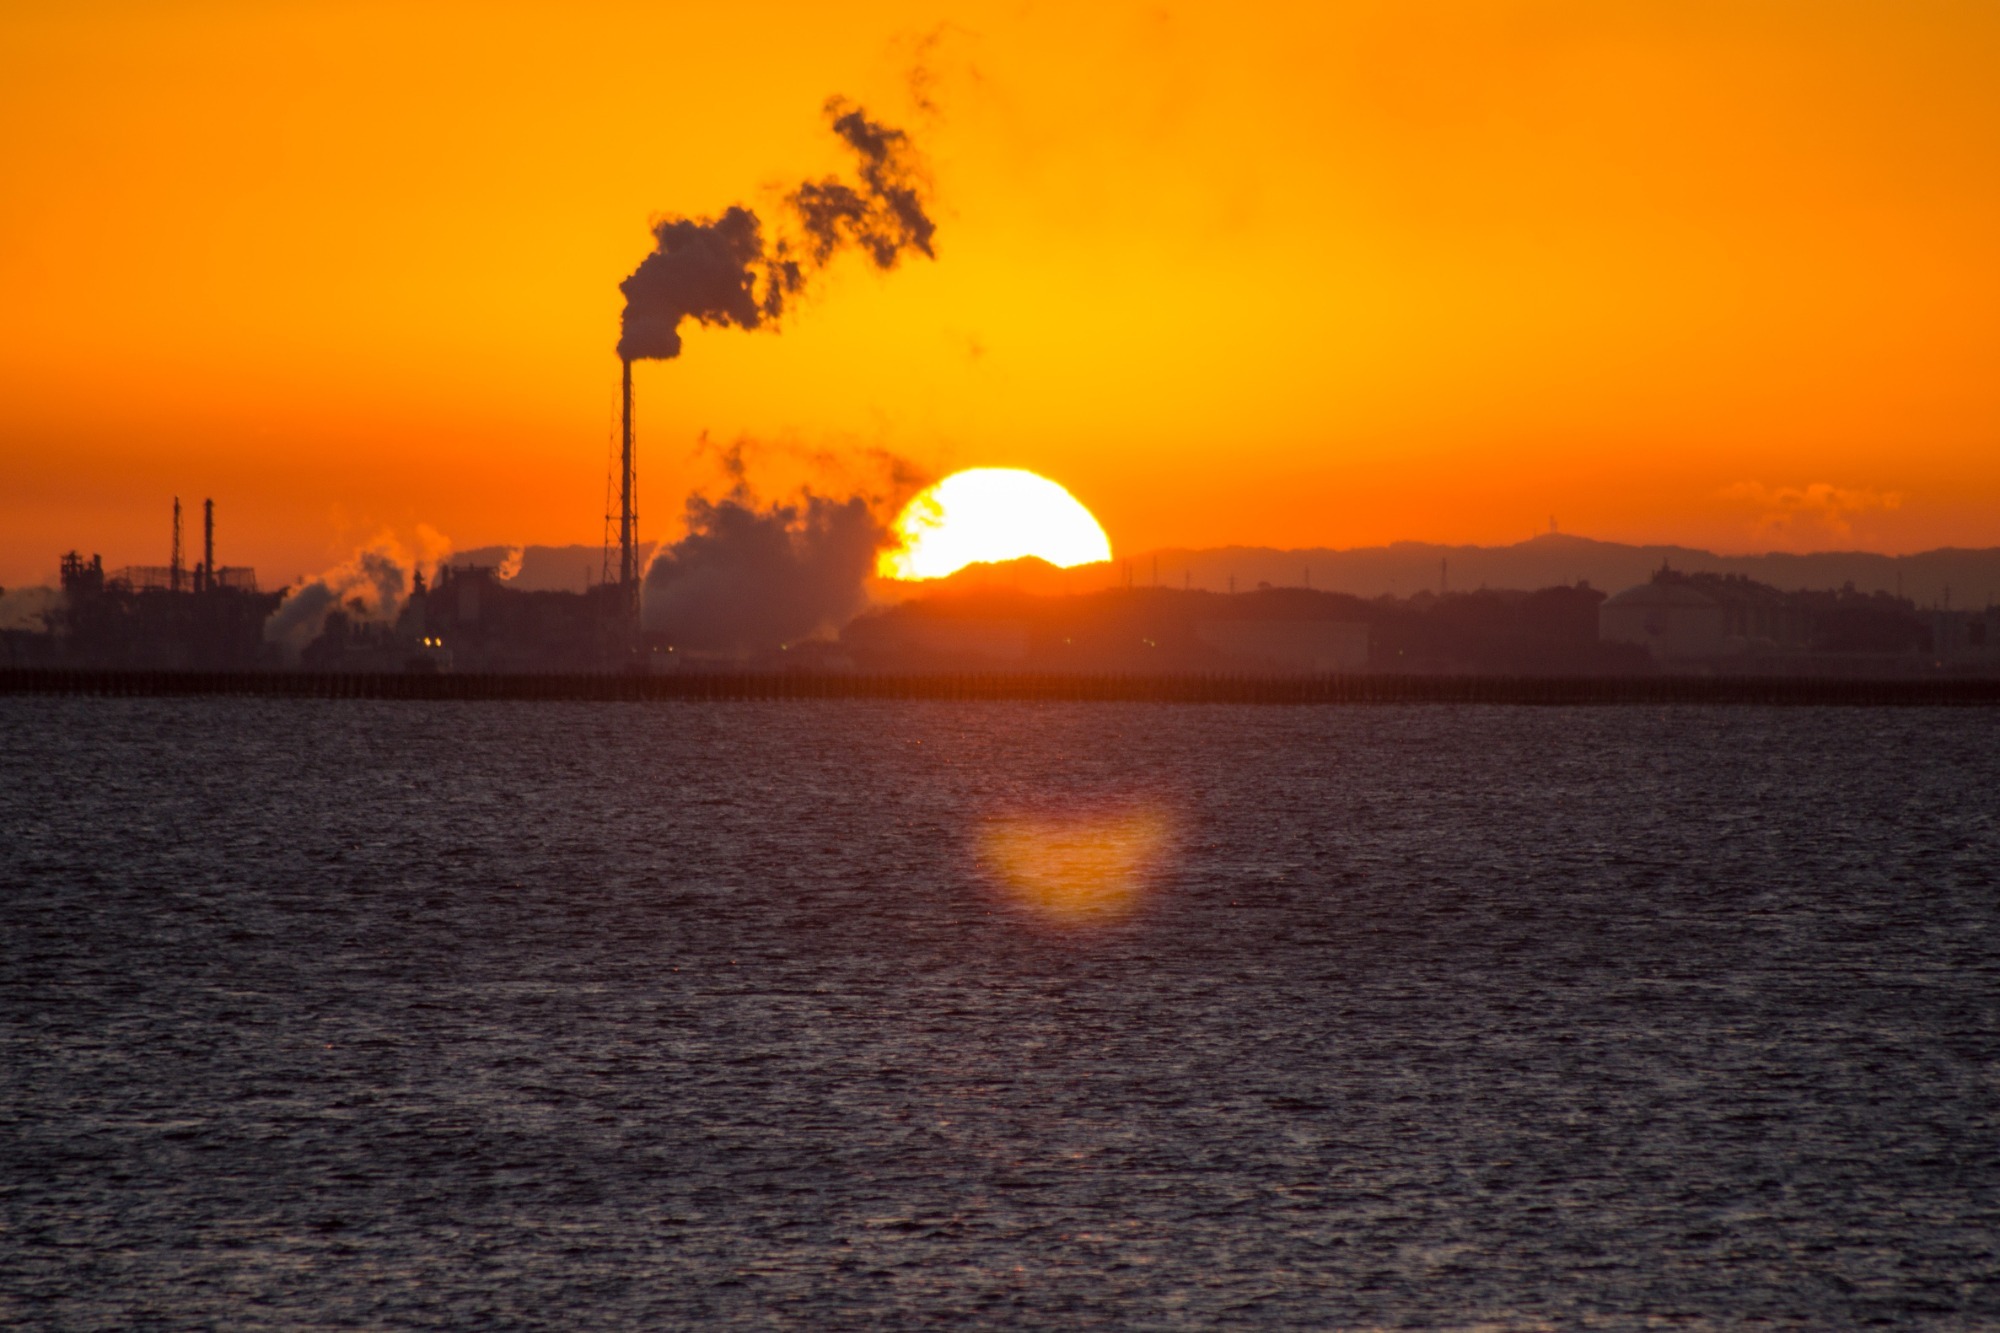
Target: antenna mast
pixel 610 480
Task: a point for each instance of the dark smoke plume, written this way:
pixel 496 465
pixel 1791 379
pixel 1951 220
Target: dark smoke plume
pixel 723 271
pixel 704 269
pixel 885 217
pixel 747 580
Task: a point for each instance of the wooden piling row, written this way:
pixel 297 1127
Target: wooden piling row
pixel 748 686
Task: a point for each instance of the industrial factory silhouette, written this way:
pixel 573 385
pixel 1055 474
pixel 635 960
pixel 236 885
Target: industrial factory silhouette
pixel 802 605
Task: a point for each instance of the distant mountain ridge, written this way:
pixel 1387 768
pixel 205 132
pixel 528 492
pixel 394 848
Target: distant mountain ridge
pixel 1964 578
pixel 1968 578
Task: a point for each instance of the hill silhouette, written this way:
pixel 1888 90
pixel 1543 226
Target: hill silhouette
pixel 1961 577
pixel 1954 576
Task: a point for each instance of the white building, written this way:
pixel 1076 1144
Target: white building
pixel 1672 621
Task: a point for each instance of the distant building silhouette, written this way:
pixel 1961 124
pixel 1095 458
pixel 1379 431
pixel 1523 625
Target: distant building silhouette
pixel 1672 621
pixel 473 620
pixel 122 621
pixel 1726 621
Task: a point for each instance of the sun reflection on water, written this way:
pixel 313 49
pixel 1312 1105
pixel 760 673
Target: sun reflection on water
pixel 1077 868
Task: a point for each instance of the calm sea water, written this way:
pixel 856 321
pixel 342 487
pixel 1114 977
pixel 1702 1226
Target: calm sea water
pixel 462 1015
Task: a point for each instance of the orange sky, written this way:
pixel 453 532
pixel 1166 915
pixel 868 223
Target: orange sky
pixel 1714 271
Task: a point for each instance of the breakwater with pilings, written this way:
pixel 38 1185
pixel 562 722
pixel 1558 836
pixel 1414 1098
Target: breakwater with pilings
pixel 1021 687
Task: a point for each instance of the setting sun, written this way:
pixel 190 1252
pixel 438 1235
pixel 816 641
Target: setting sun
pixel 990 514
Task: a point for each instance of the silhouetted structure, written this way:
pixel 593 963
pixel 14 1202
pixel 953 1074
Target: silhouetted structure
pixel 471 621
pixel 144 616
pixel 1268 631
pixel 628 506
pixel 1708 621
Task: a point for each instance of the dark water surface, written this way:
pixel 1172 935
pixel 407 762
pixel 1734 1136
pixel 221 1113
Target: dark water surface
pixel 578 1016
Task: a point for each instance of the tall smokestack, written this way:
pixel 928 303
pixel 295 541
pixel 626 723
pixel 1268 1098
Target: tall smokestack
pixel 207 545
pixel 720 271
pixel 628 518
pixel 174 565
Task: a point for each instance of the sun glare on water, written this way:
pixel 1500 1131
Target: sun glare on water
pixel 1081 867
pixel 991 514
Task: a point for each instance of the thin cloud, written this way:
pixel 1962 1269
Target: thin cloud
pixel 1817 510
